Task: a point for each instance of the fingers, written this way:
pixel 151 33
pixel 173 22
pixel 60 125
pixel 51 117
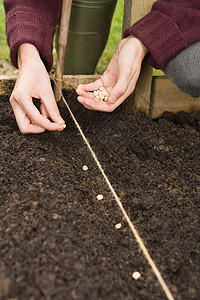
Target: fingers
pixel 36 118
pixel 91 86
pixel 121 74
pixel 23 122
pixel 120 88
pixel 43 110
pixel 29 118
pixel 51 107
pixel 83 93
pixel 96 105
pixel 123 88
pixel 28 86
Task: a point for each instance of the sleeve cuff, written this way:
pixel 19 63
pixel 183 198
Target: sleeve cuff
pixel 160 35
pixel 28 27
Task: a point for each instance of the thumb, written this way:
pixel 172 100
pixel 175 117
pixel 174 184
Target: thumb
pixel 119 89
pixel 55 116
pixel 52 109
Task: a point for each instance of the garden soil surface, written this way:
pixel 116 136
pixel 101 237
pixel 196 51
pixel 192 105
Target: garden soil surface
pixel 58 241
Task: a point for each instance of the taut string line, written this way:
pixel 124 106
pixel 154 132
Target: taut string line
pixel 133 229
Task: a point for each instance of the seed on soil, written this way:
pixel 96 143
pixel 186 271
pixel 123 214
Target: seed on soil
pixel 102 94
pixel 34 205
pixel 55 216
pixel 136 275
pixel 118 226
pixel 99 197
pixel 85 168
pixel 42 159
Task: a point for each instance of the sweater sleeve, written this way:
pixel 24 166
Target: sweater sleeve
pixel 169 28
pixel 32 21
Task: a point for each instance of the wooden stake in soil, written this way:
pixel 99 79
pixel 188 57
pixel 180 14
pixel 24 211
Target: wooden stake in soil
pixel 62 42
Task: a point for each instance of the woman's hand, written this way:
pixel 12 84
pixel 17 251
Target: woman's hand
pixel 33 82
pixel 121 74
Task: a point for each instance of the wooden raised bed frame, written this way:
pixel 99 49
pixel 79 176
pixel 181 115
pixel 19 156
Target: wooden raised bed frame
pixel 153 94
pixel 163 94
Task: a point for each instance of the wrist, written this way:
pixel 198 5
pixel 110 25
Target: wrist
pixel 27 53
pixel 142 49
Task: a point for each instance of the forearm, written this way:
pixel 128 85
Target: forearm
pixel 168 29
pixel 32 22
pixel 27 53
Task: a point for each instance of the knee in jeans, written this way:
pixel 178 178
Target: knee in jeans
pixel 188 82
pixel 185 73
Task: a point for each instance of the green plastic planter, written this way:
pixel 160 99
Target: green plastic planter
pixel 88 33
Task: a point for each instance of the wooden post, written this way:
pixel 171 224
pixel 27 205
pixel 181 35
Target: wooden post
pixel 140 99
pixel 62 42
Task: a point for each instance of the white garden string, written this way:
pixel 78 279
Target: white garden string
pixel 137 237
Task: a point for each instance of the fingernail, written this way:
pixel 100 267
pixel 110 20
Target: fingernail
pixel 63 126
pixel 61 121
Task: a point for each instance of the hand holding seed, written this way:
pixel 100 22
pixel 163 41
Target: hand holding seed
pixel 102 94
pixel 121 74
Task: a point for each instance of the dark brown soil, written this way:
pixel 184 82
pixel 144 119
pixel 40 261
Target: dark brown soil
pixel 57 241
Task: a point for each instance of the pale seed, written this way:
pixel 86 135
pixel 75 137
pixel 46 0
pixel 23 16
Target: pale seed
pixel 118 226
pixel 55 216
pixel 99 197
pixel 136 275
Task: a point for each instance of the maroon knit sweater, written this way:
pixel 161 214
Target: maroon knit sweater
pixel 32 21
pixel 170 27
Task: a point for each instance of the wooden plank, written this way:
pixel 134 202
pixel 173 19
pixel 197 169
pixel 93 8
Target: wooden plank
pixel 7 82
pixel 134 10
pixel 72 81
pixel 167 97
pixel 141 98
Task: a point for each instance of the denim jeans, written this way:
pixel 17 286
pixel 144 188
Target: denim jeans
pixel 184 70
